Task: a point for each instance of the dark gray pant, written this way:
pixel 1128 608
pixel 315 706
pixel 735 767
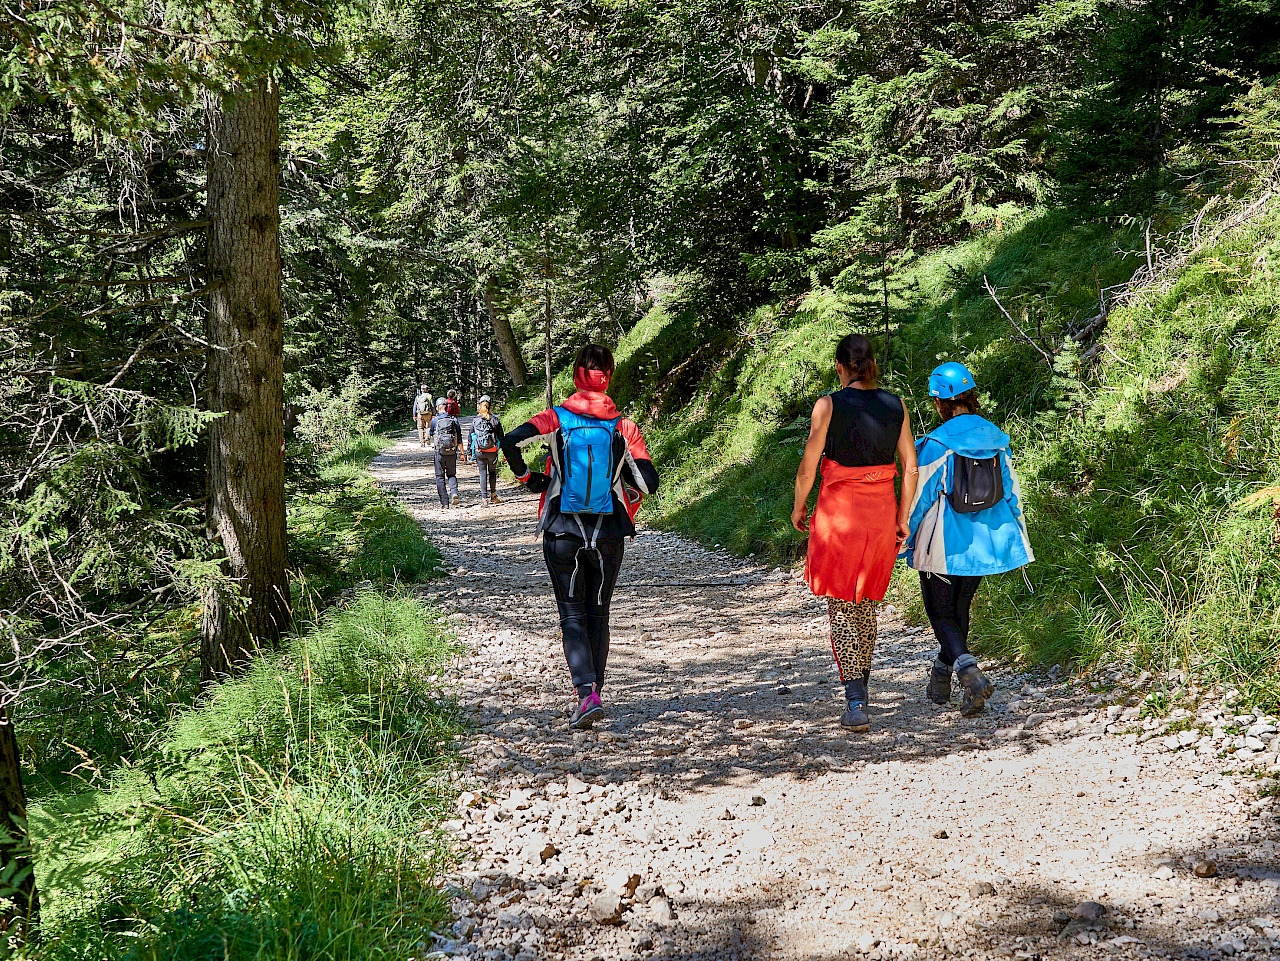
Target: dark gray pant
pixel 446 476
pixel 487 463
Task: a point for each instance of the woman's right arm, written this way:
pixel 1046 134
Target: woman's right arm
pixel 910 477
pixel 808 472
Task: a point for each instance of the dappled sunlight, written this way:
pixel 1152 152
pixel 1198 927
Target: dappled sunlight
pixel 721 777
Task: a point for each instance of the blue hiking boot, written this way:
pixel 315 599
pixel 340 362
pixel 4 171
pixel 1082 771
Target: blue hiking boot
pixel 855 718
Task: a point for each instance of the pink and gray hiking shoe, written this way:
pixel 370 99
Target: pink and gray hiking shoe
pixel 587 713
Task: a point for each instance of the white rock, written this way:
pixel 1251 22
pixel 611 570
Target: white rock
pixel 623 882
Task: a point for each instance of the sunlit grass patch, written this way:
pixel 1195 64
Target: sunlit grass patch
pixel 291 814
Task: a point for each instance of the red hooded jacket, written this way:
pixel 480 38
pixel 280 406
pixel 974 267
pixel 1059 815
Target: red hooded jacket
pixel 638 476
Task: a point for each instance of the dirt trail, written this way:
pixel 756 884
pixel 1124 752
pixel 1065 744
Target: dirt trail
pixel 720 812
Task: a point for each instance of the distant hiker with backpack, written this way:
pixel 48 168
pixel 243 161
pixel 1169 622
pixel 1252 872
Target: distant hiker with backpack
pixel 598 468
pixel 966 523
pixel 455 409
pixel 446 441
pixel 422 407
pixel 858 525
pixel 483 442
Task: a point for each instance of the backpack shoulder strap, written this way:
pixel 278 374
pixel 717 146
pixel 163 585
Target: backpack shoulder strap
pixel 946 467
pixel 552 445
pixel 617 435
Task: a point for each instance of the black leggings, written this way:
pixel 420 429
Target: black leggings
pixel 947 599
pixel 583 601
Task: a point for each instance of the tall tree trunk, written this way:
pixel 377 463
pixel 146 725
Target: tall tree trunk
pixel 508 346
pixel 246 381
pixel 23 917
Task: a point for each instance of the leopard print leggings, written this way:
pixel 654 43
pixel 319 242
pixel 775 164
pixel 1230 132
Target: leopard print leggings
pixel 853 635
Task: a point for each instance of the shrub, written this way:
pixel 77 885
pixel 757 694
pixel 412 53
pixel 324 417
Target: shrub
pixel 330 422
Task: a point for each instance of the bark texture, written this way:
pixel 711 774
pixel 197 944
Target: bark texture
pixel 508 346
pixel 15 848
pixel 246 381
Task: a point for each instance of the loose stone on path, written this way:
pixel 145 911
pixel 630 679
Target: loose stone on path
pixel 931 837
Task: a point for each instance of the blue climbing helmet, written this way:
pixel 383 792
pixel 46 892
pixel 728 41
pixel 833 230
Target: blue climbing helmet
pixel 950 380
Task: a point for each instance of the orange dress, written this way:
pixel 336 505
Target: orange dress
pixel 853 534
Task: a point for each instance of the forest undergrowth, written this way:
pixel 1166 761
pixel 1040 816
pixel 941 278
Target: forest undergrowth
pixel 1149 472
pixel 291 812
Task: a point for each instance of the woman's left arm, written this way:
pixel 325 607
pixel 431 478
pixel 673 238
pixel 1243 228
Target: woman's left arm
pixel 808 472
pixel 910 476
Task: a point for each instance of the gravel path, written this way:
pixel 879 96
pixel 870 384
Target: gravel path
pixel 720 812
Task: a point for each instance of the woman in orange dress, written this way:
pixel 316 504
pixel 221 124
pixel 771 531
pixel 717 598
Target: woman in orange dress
pixel 859 525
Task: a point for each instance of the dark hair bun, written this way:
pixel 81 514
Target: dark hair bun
pixel 856 353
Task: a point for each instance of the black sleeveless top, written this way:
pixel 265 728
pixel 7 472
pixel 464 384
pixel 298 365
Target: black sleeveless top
pixel 865 426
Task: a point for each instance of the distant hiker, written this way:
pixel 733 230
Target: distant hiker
pixel 966 523
pixel 483 442
pixel 446 441
pixel 455 409
pixel 422 407
pixel 598 468
pixel 858 525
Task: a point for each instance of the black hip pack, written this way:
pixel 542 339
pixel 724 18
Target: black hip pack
pixel 976 484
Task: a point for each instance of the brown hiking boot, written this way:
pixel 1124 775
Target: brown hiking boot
pixel 976 687
pixel 493 499
pixel 939 689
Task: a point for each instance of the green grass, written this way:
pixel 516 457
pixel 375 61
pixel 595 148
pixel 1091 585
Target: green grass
pixel 344 530
pixel 1149 548
pixel 290 813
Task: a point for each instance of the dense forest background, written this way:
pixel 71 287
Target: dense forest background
pixel 1074 197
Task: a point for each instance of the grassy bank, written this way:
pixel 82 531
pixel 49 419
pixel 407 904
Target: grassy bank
pixel 291 812
pixel 345 531
pixel 1146 474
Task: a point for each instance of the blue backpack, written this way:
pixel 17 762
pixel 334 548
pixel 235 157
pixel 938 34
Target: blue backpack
pixel 587 473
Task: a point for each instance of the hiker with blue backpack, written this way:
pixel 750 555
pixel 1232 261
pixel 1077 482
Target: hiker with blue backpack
pixel 596 473
pixel 483 442
pixel 966 523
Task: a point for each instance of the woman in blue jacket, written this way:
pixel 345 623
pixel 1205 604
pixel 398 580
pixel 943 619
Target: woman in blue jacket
pixel 966 522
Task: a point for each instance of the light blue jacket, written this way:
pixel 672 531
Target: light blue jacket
pixel 945 542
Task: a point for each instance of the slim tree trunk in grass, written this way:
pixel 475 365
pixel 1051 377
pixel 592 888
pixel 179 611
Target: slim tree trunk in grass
pixel 546 299
pixel 508 346
pixel 245 381
pixel 16 872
